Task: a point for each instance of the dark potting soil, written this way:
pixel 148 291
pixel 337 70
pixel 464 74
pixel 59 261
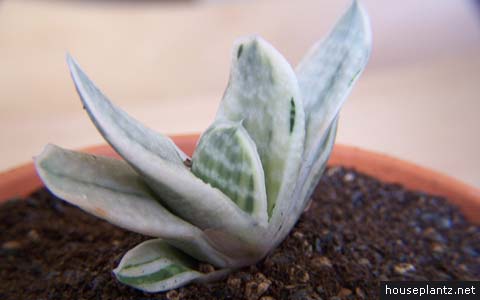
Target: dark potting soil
pixel 358 232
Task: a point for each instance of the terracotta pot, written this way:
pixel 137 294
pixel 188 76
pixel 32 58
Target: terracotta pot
pixel 23 180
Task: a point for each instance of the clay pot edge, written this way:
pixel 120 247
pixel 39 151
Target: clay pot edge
pixel 22 180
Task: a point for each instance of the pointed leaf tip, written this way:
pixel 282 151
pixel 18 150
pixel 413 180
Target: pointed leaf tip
pixel 326 76
pixel 116 126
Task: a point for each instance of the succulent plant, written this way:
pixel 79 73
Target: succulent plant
pixel 249 179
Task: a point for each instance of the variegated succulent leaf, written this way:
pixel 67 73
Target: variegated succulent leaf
pixel 110 189
pixel 326 76
pixel 226 158
pixel 263 93
pixel 155 266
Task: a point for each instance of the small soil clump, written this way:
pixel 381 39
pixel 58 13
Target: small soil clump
pixel 357 232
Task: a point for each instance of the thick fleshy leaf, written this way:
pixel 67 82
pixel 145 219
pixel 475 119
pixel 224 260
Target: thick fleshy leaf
pixel 110 189
pixel 178 189
pixel 327 73
pixel 263 93
pixel 227 158
pixel 304 190
pixel 310 182
pixel 155 266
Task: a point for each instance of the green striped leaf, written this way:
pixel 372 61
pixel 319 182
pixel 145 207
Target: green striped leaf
pixel 110 189
pixel 158 161
pixel 327 73
pixel 155 266
pixel 263 93
pixel 227 158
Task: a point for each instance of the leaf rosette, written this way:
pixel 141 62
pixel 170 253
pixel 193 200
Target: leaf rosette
pixel 251 175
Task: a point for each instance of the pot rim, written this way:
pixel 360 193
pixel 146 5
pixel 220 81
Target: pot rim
pixel 22 180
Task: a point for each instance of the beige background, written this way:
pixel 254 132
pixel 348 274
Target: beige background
pixel 167 64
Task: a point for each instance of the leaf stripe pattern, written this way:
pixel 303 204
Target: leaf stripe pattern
pixel 168 271
pixel 292 114
pixel 227 159
pixel 154 265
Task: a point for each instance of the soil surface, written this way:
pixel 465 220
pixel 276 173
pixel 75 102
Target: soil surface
pixel 357 232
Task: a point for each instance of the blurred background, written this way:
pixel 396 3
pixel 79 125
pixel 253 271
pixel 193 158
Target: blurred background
pixel 167 64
